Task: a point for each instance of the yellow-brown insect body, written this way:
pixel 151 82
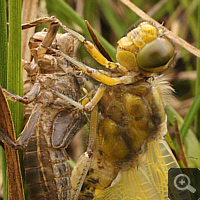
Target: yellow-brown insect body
pixel 132 119
pixel 131 158
pixel 132 115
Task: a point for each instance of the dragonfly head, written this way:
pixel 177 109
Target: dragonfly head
pixel 145 48
pixel 156 55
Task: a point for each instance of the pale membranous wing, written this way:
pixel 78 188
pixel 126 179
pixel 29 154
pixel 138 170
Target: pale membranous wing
pixel 149 180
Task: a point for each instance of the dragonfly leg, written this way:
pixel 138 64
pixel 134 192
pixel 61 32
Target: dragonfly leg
pixel 90 105
pixel 31 96
pixel 97 97
pixel 101 75
pixel 96 54
pixel 6 139
pixel 89 153
pixel 102 58
pixel 39 21
pixel 26 133
pixel 93 131
pixel 101 55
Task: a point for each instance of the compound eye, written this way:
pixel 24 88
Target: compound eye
pixel 156 55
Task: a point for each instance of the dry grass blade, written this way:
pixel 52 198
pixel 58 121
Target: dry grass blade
pixel 168 33
pixel 156 8
pixel 29 12
pixel 15 188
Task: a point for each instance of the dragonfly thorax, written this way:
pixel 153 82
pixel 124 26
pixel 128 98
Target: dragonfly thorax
pixel 132 116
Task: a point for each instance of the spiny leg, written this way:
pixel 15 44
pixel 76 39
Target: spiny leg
pixel 31 96
pixel 90 105
pixel 101 56
pixel 38 22
pixel 6 139
pixel 90 150
pixel 99 75
pixel 26 133
pixel 36 43
pixel 104 59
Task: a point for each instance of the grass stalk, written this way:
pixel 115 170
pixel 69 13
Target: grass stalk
pixel 3 83
pixel 14 71
pixel 14 68
pixel 197 120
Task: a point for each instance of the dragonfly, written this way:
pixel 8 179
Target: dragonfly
pixel 131 158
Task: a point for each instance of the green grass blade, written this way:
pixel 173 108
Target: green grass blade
pixel 197 120
pixel 192 145
pixel 112 18
pixel 93 16
pixel 3 83
pixel 3 42
pixel 191 18
pixel 14 70
pixel 189 118
pixel 14 73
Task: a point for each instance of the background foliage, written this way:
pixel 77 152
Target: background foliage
pixel 111 19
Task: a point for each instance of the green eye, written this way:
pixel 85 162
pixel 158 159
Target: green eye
pixel 156 55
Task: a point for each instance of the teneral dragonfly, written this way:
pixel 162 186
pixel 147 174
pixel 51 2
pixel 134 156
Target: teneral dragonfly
pixel 131 158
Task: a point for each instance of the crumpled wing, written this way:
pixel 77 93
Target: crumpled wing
pixel 66 125
pixel 100 175
pixel 148 181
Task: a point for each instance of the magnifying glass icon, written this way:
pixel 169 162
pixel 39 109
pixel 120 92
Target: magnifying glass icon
pixel 181 184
